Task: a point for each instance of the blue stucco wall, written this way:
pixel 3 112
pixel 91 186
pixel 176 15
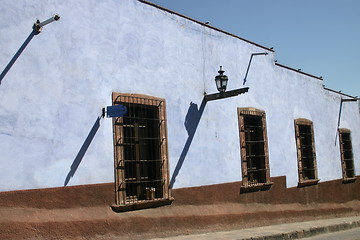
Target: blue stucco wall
pixel 52 96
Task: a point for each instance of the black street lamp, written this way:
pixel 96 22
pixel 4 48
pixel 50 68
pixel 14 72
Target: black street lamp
pixel 221 81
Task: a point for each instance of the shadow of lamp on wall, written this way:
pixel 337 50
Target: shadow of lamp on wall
pixel 194 115
pixel 191 123
pixel 37 28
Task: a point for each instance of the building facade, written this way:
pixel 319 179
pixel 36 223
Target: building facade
pixel 160 66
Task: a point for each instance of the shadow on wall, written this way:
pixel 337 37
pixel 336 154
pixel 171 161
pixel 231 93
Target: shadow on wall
pixel 191 123
pixel 16 56
pixel 338 124
pixel 82 151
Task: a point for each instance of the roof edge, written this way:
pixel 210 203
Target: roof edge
pixel 205 25
pixel 339 92
pixel 243 39
pixel 319 78
pixel 298 71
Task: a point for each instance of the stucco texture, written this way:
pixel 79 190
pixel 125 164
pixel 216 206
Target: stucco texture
pixel 51 98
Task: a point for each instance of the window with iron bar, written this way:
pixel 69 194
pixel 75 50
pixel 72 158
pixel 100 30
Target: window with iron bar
pixel 347 160
pixel 140 151
pixel 254 150
pixel 307 167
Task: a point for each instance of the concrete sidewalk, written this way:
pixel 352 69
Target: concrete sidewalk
pixel 278 232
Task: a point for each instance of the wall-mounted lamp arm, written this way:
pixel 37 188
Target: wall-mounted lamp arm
pixel 114 111
pixel 221 95
pixel 263 53
pixel 340 109
pixel 37 27
pixel 350 100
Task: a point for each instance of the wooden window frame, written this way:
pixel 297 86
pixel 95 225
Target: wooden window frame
pixel 302 179
pixel 121 203
pixel 346 177
pixel 247 185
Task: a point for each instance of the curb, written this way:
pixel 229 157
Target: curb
pixel 309 232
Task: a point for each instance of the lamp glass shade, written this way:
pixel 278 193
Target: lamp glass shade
pixel 218 83
pixel 224 83
pixel 221 81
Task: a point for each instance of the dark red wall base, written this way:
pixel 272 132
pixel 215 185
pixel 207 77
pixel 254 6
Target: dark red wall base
pixel 324 192
pixel 83 212
pixel 103 194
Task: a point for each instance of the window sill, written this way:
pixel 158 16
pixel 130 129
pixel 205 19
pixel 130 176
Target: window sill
pixel 349 180
pixel 256 187
pixel 306 183
pixel 142 205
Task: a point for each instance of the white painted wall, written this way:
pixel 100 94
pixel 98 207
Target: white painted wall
pixel 53 94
